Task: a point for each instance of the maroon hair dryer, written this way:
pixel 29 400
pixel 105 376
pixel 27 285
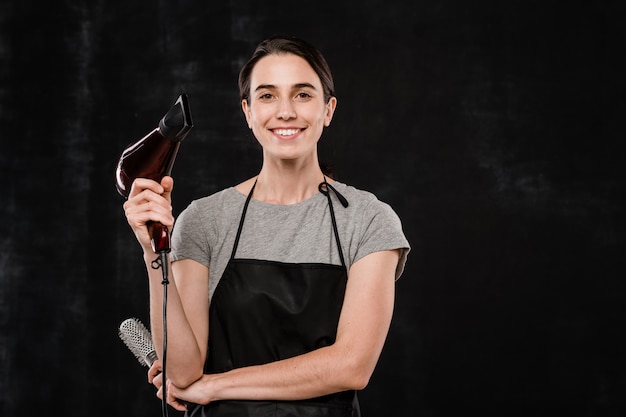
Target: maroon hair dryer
pixel 153 157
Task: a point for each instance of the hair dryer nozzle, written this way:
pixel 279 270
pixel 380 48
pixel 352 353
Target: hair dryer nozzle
pixel 153 155
pixel 177 121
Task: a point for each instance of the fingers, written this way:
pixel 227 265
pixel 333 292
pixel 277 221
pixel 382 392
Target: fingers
pixel 172 391
pixel 168 184
pixel 172 397
pixel 157 381
pixel 140 184
pixel 146 207
pixel 155 377
pixel 149 201
pixel 154 371
pixel 143 185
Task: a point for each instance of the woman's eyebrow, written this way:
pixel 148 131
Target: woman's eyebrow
pixel 304 85
pixel 265 87
pixel 273 87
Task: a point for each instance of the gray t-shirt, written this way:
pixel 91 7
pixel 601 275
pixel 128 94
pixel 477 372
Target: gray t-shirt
pixel 298 233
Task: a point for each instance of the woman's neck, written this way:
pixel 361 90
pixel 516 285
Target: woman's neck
pixel 287 183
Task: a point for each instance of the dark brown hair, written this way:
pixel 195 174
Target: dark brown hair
pixel 279 44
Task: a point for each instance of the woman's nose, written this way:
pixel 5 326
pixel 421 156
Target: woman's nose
pixel 286 110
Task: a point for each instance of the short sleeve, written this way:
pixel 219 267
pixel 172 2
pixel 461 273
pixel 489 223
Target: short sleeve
pixel 191 236
pixel 382 230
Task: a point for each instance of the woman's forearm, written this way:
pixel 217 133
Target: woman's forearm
pixel 320 372
pixel 184 360
pixel 314 374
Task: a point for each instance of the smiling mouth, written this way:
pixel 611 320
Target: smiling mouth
pixel 286 132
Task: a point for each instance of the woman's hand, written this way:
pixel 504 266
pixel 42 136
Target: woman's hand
pixel 149 201
pixel 198 393
pixel 193 393
pixel 155 377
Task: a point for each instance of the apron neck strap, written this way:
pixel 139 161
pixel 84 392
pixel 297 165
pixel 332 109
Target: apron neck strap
pixel 243 216
pixel 324 188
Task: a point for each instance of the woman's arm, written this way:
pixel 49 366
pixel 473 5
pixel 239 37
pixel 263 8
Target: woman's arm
pixel 346 364
pixel 187 319
pixel 188 298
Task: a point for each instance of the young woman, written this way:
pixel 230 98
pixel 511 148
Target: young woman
pixel 282 287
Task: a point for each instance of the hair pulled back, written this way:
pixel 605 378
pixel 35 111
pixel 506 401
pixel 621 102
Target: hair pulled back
pixel 278 45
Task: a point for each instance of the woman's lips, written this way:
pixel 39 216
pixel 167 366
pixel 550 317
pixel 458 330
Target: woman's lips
pixel 286 133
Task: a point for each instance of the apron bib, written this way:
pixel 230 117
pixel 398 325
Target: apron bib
pixel 264 311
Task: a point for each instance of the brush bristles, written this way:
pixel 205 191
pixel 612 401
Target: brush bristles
pixel 139 340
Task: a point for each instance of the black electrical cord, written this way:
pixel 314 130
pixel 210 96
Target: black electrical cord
pixel 161 262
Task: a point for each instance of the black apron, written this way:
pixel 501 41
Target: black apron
pixel 264 311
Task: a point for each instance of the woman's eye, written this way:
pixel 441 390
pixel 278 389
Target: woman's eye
pixel 303 95
pixel 266 96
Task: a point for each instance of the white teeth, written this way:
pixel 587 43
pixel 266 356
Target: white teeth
pixel 286 132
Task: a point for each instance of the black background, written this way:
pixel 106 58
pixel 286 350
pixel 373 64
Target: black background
pixel 493 128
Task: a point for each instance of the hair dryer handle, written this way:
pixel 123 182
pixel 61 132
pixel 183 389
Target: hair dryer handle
pixel 159 237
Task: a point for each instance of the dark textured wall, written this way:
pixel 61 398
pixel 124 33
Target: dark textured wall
pixel 492 127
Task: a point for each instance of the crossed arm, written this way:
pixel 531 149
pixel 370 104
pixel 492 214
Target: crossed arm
pixel 346 364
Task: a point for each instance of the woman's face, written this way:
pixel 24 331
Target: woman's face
pixel 286 109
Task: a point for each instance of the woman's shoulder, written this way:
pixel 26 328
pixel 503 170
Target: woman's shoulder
pixel 364 202
pixel 355 195
pixel 225 197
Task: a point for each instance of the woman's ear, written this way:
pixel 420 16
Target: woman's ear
pixel 246 112
pixel 330 110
